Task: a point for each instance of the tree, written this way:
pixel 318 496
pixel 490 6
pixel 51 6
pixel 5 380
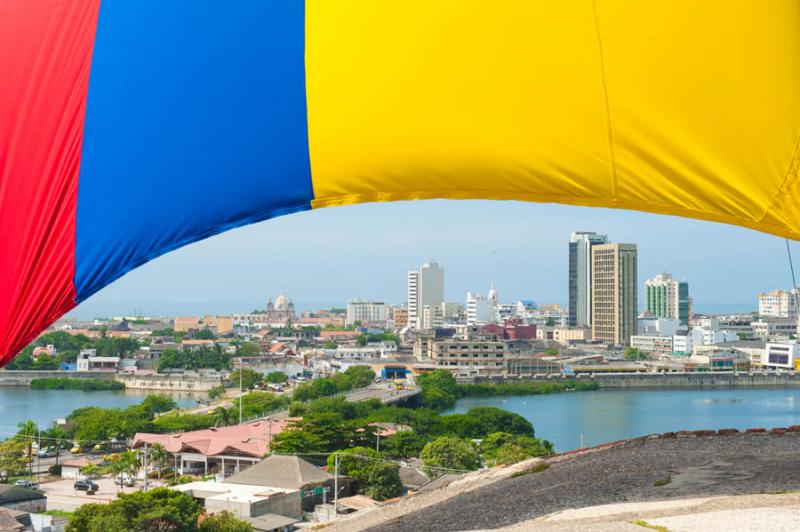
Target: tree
pixel 158 403
pixel 448 453
pixel 216 392
pixel 127 462
pixel 438 389
pixel 248 349
pixel 277 377
pixel 631 353
pixel 223 416
pixel 250 379
pixel 158 457
pixel 13 458
pixel 296 441
pixel 224 522
pixel 506 448
pixel 374 476
pixel 405 444
pixel 204 334
pixel 158 509
pixel 90 470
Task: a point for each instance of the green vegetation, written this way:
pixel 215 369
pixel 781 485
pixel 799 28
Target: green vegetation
pixel 538 468
pixel 216 392
pixel 364 339
pixel 202 358
pixel 447 453
pixel 631 353
pixel 375 477
pixel 224 522
pixel 662 482
pixel 259 403
pixel 250 379
pixel 158 509
pixel 503 448
pixel 67 349
pixel 354 377
pixel 66 383
pixel 276 377
pixel 645 524
pixel 439 389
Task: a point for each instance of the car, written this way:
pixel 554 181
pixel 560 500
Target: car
pixel 22 483
pixel 86 485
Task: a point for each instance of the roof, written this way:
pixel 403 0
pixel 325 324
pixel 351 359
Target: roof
pixel 77 462
pixel 8 521
pixel 412 478
pixel 288 472
pixel 440 482
pixel 269 522
pixel 357 502
pixel 9 493
pixel 251 439
pixel 226 492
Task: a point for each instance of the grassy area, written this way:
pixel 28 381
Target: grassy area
pixel 67 383
pixel 538 468
pixel 645 524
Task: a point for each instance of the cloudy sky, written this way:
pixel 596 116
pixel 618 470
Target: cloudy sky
pixel 327 257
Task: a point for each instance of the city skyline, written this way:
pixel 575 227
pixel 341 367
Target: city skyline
pixel 332 256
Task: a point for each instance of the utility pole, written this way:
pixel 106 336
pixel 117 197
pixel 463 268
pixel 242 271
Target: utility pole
pixel 145 467
pixel 269 420
pixel 241 397
pixel 335 486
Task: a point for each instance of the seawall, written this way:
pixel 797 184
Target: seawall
pixel 169 383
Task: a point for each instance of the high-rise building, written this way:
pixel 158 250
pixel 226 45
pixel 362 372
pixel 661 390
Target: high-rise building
pixel 425 288
pixel 580 276
pixel 778 304
pixel 614 293
pixel 665 297
pixel 413 299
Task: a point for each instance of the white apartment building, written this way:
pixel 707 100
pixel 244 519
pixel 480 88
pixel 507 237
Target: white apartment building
pixel 686 344
pixel 782 355
pixel 413 299
pixel 479 309
pixel 656 345
pixel 366 311
pixel 425 287
pixel 651 325
pixel 778 304
pixel 770 328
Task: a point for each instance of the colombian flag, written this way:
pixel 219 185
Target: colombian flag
pixel 129 128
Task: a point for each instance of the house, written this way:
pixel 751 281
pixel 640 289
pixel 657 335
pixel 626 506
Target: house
pixel 89 361
pixel 22 499
pixel 10 521
pixel 72 468
pixel 290 472
pixel 271 523
pixel 223 450
pixel 244 501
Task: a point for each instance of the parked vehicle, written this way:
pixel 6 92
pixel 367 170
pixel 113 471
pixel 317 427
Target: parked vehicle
pixel 86 485
pixel 22 483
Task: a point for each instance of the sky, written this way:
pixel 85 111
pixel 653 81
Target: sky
pixel 330 256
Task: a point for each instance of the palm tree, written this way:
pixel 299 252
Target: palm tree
pixel 222 416
pixel 127 462
pixel 158 455
pixel 118 466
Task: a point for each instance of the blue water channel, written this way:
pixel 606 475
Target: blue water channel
pixel 607 415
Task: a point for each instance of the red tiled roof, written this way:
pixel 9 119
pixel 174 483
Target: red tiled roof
pixel 249 438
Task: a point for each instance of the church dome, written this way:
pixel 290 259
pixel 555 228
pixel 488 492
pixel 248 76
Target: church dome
pixel 281 303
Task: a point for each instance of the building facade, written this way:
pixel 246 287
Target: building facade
pixel 365 311
pixel 665 297
pixel 479 309
pixel 778 304
pixel 425 287
pixel 580 276
pixel 614 298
